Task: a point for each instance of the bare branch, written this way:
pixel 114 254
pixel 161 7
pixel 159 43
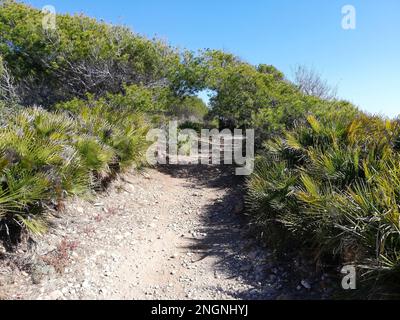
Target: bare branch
pixel 311 83
pixel 7 88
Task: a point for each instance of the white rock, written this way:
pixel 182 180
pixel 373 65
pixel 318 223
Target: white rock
pixel 305 284
pixel 85 284
pixel 79 210
pixel 55 295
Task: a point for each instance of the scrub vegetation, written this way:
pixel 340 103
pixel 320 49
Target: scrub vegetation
pixel 77 102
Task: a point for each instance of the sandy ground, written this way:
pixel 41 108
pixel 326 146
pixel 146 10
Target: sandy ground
pixel 172 233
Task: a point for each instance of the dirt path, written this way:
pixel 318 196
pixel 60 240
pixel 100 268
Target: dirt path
pixel 176 233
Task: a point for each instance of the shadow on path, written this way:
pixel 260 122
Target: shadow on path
pixel 231 240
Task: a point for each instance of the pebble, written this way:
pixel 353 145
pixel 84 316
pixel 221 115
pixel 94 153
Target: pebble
pixel 79 210
pixel 305 284
pixel 55 295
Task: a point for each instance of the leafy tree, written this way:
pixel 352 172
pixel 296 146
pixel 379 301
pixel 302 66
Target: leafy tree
pixel 268 69
pixel 81 56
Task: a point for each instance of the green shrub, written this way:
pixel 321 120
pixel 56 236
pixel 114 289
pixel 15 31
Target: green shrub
pixel 335 186
pixel 122 129
pixel 45 157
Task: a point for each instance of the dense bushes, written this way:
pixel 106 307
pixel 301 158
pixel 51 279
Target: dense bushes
pixel 80 56
pixel 45 157
pixel 256 97
pixel 335 186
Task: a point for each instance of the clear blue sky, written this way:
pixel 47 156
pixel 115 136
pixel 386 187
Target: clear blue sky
pixel 365 63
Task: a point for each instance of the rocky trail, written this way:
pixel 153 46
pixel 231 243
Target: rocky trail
pixel 171 233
